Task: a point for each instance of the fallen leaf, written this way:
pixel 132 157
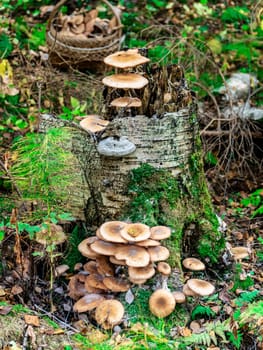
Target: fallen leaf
pixel 4 310
pixel 32 320
pixel 184 331
pixel 129 297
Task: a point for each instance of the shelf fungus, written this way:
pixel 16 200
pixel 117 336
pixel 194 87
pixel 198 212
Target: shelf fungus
pixel 115 147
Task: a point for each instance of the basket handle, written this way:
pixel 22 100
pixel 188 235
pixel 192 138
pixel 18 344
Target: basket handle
pixel 62 2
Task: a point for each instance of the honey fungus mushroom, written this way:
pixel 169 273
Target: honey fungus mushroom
pixel 109 313
pixel 193 264
pixel 126 59
pixel 162 303
pixel 136 232
pixel 200 287
pixel 125 81
pixel 110 231
pixel 93 123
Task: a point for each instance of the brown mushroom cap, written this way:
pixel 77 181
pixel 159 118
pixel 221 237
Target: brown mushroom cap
pixel 135 232
pixel 162 303
pixel 160 232
pixel 110 231
pixel 148 243
pixel 103 248
pixel 239 252
pixel 158 253
pixel 179 297
pixel 142 273
pixel 135 256
pixel 53 234
pixel 126 102
pixel 104 266
pixel 125 59
pixel 137 280
pixel 116 284
pixel 188 292
pixel 193 264
pixel 95 280
pixel 88 302
pixel 115 261
pixel 109 313
pixel 200 287
pixel 84 248
pixel 76 286
pixel 93 123
pixel 164 268
pixel 90 267
pixel 125 81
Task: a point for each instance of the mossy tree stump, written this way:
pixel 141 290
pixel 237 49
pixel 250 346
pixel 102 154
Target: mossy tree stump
pixel 162 182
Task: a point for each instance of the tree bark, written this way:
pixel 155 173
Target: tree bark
pixel 162 181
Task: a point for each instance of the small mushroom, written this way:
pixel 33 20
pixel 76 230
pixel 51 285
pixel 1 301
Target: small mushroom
pixel 51 234
pixel 125 81
pixel 109 313
pixel 95 281
pixel 122 102
pixel 88 302
pixel 76 286
pixel 164 268
pixel 141 273
pixel 133 255
pixel 158 253
pixel 126 59
pixel 200 287
pixel 116 284
pixel 104 266
pixel 110 231
pixel 193 264
pixel 115 147
pixel 103 248
pixel 162 303
pixel 85 250
pixel 160 232
pixel 135 232
pixel 93 123
pixel 188 292
pixel 179 297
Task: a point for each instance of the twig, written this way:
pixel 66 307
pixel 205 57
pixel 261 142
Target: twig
pixel 50 315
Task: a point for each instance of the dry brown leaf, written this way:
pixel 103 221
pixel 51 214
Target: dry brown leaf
pixel 184 331
pixel 32 320
pixel 195 327
pixel 96 336
pixel 16 289
pixel 5 309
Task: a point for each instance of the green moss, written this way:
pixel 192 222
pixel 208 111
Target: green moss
pixel 159 198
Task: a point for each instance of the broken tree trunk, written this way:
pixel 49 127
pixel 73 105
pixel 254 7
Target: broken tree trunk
pixel 162 182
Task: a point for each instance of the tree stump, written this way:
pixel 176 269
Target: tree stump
pixel 162 181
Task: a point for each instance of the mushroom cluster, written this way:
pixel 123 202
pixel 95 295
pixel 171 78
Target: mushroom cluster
pixel 133 246
pixel 87 25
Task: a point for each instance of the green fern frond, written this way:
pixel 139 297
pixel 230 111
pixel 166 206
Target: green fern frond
pixel 200 311
pixel 247 297
pixel 252 314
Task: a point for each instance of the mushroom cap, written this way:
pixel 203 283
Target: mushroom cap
pixel 103 248
pixel 137 280
pixel 158 253
pixel 109 313
pixel 116 284
pixel 179 297
pixel 115 261
pixel 88 302
pixel 189 292
pixel 85 250
pixel 135 232
pixel 115 147
pixel 110 231
pixel 90 267
pixel 193 264
pixel 160 232
pixel 52 234
pixel 200 287
pixel 148 243
pixel 125 81
pixel 164 268
pixel 133 255
pixel 125 59
pixel 239 252
pixel 76 286
pixel 162 303
pixel 142 273
pixel 95 280
pixel 93 123
pixel 126 101
pixel 104 266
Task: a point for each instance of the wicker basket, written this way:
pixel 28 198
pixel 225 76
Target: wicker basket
pixel 66 50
